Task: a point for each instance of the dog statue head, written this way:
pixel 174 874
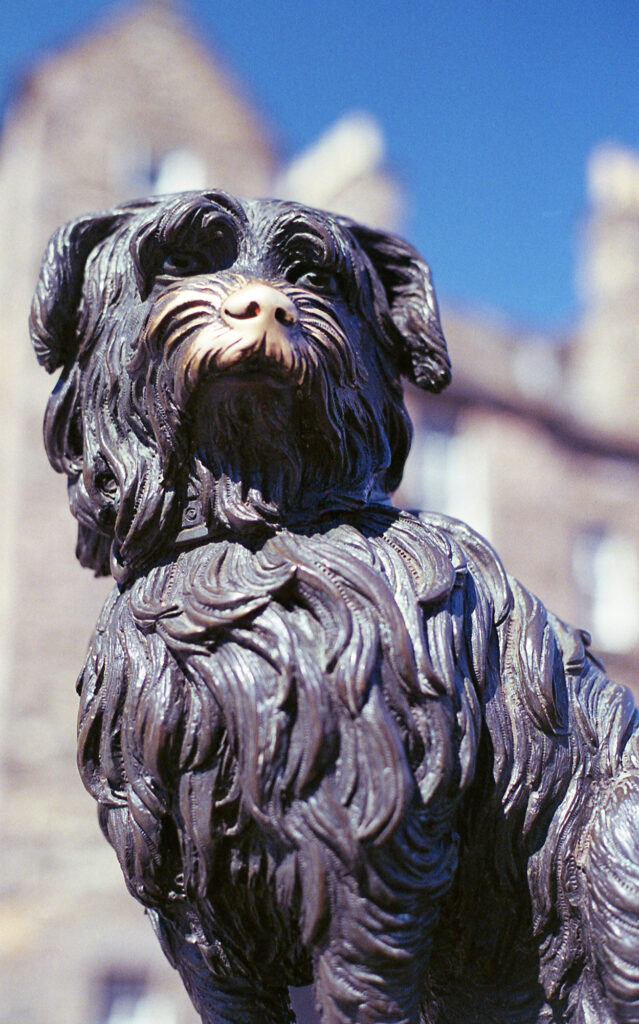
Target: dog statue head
pixel 226 366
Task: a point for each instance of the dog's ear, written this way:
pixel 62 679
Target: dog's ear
pixel 405 278
pixel 52 322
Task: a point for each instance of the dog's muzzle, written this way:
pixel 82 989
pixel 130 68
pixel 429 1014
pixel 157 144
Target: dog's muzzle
pixel 203 328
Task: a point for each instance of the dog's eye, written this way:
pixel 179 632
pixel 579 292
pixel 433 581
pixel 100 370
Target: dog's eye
pixel 319 279
pixel 181 264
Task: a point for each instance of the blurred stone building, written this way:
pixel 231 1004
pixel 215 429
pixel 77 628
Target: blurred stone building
pixel 536 444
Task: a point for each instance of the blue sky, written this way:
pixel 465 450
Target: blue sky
pixel 490 109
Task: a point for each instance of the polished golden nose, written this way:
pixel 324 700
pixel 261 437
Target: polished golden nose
pixel 258 307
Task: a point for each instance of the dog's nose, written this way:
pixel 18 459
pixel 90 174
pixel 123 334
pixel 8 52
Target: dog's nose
pixel 259 306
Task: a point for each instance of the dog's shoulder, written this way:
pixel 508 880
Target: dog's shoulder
pixel 470 552
pixel 549 676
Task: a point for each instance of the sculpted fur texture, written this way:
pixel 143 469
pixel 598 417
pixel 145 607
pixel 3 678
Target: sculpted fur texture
pixel 330 741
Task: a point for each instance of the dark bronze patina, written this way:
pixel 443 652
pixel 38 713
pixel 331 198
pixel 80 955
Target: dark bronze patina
pixel 330 741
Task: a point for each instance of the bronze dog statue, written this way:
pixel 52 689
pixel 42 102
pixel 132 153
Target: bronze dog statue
pixel 329 740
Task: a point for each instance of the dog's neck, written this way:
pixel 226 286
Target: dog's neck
pixel 218 506
pixel 264 459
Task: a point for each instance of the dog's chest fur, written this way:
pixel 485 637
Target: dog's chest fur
pixel 269 696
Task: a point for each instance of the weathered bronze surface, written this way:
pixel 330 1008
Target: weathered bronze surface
pixel 329 740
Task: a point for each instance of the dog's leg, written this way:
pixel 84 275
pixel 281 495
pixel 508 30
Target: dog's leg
pixel 229 1001
pixel 371 969
pixel 612 879
pixel 238 1002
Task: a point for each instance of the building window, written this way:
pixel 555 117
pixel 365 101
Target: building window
pixel 141 171
pixel 447 471
pixel 125 998
pixel 180 170
pixel 606 572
